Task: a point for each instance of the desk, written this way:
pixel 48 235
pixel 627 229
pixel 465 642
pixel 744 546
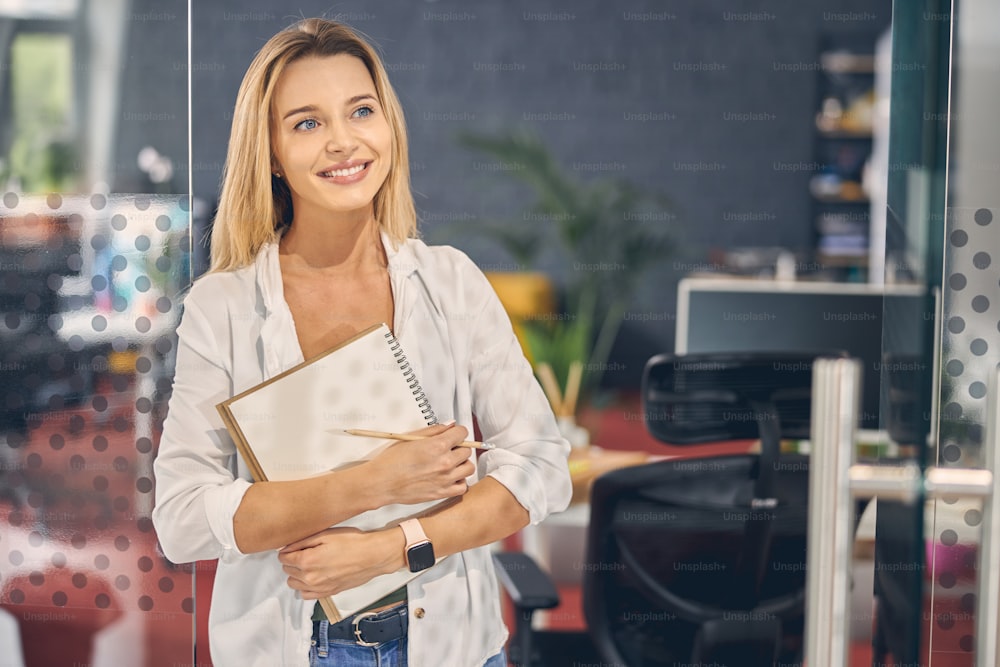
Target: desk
pixel 588 463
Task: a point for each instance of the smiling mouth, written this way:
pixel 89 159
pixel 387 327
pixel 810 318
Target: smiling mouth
pixel 350 171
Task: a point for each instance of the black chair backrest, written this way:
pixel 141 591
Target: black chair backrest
pixel 684 551
pixel 698 398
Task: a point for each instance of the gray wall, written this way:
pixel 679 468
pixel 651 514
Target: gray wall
pixel 578 74
pixel 153 99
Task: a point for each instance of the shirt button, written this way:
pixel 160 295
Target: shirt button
pixel 419 612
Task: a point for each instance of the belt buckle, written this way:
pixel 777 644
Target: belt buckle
pixel 357 629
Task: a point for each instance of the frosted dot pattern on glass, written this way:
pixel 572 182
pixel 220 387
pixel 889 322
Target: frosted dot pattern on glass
pixel 971 326
pixel 89 289
pixel 970 332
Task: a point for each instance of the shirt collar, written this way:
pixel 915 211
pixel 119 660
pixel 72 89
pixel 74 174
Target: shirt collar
pixel 402 260
pixel 278 320
pixel 268 274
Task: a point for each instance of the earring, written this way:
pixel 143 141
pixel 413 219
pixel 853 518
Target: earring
pixel 277 174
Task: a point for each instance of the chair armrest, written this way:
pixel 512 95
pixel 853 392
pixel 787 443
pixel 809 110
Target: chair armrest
pixel 528 586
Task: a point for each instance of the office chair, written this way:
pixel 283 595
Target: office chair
pixel 692 560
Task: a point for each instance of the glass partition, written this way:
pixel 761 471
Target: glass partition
pixel 94 253
pixel 969 334
pixel 919 69
pixel 943 157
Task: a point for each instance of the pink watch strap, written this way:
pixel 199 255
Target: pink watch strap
pixel 413 532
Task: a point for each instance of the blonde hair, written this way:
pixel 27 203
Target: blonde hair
pixel 255 205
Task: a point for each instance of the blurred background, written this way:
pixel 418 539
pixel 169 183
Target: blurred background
pixel 686 133
pixel 589 156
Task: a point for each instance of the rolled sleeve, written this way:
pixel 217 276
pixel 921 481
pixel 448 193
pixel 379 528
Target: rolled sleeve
pixel 530 458
pixel 221 503
pixel 197 494
pixel 527 487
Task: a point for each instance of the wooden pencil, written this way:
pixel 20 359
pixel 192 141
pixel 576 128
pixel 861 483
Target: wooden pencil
pixel 386 435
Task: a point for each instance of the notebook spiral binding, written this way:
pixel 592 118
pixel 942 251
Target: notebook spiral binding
pixel 404 365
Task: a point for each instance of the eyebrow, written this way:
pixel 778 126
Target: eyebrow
pixel 312 107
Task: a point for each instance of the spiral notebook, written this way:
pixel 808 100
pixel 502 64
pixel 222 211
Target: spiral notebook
pixel 291 427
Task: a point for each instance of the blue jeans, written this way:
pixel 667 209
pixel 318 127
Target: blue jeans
pixel 390 654
pixel 344 653
pixel 326 652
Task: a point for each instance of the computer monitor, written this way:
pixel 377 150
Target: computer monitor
pixel 746 315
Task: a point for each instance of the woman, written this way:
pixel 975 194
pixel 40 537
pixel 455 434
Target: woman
pixel 314 242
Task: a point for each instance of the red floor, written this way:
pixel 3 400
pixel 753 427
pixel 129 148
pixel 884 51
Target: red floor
pixel 78 550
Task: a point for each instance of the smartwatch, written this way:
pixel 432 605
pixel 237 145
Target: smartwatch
pixel 419 550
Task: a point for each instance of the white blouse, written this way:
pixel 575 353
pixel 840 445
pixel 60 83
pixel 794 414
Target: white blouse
pixel 236 332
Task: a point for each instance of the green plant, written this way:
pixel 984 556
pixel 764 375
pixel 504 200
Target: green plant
pixel 610 232
pixel 42 153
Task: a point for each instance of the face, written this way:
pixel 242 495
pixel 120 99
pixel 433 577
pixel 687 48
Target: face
pixel 331 140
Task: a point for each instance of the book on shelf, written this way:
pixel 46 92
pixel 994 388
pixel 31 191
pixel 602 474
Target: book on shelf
pixel 842 223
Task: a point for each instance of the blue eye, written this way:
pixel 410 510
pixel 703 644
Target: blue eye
pixel 307 124
pixel 369 111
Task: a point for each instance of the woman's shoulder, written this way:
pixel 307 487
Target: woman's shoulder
pixel 218 290
pixel 458 283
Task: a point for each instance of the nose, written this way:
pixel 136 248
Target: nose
pixel 340 138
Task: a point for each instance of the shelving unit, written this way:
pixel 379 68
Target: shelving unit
pixel 843 147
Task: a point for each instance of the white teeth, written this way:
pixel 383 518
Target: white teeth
pixel 343 172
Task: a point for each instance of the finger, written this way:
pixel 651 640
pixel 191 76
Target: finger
pixel 296 546
pixel 299 560
pixel 433 430
pixel 304 543
pixel 459 456
pixel 310 590
pixel 461 469
pixel 457 489
pixel 463 480
pixel 313 593
pixel 456 435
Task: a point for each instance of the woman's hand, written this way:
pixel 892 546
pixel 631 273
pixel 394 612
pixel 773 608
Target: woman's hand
pixel 422 470
pixel 338 559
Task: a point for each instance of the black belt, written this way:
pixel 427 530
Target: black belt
pixel 370 628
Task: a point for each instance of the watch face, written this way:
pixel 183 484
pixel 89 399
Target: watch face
pixel 420 556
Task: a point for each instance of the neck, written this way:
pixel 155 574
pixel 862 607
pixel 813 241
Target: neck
pixel 345 246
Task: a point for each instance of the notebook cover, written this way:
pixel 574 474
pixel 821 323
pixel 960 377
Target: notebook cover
pixel 290 427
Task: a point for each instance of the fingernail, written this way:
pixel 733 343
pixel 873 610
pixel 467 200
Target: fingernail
pixel 450 422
